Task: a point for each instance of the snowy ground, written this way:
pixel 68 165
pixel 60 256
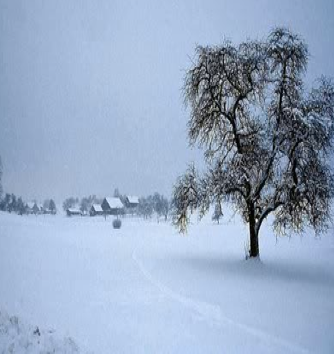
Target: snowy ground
pixel 20 338
pixel 146 289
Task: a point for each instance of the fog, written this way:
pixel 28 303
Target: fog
pixel 91 92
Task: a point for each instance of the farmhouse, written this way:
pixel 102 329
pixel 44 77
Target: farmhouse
pixel 112 206
pixel 131 201
pixel 96 209
pixel 73 212
pixel 32 208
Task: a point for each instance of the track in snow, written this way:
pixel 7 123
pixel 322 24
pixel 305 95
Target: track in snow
pixel 212 313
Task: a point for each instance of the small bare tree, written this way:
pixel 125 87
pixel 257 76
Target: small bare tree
pixel 266 141
pixel 218 213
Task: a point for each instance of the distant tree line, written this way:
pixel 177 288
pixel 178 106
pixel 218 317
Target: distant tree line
pixel 50 206
pixel 84 204
pixel 13 204
pixel 155 204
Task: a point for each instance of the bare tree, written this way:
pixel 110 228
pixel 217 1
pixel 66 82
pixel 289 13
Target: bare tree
pixel 266 140
pixel 21 206
pixel 146 207
pixel 218 213
pixel 52 207
pixel 70 203
pixel 160 205
pixel 46 204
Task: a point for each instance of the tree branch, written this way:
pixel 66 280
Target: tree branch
pixel 266 212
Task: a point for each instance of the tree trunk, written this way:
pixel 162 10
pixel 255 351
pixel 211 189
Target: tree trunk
pixel 253 234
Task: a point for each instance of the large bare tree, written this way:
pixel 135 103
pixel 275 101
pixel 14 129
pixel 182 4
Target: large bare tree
pixel 266 140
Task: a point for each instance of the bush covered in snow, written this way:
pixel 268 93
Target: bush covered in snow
pixel 117 223
pixel 18 337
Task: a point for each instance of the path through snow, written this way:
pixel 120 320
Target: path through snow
pixel 212 313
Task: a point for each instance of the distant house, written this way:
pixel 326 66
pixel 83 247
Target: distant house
pixel 73 212
pixel 131 201
pixel 40 208
pixel 112 206
pixel 96 209
pixel 49 211
pixel 29 207
pixel 32 208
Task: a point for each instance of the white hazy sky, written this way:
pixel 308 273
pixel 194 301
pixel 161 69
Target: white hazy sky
pixel 90 91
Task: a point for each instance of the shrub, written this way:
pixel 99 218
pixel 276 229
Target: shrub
pixel 117 223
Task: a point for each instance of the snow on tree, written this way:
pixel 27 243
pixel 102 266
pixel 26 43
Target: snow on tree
pixel 185 197
pixel 165 206
pixel 85 205
pixel 5 202
pixel 46 204
pixel 161 205
pixel 87 202
pixel 70 203
pixel 13 203
pixel 146 207
pixel 21 206
pixel 218 213
pixel 266 141
pixel 49 206
pixel 52 207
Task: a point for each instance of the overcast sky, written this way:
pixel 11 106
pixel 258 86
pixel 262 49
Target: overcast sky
pixel 90 91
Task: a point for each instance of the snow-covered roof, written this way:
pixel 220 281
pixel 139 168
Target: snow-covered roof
pixel 73 210
pixel 114 203
pixel 97 207
pixel 133 199
pixel 31 205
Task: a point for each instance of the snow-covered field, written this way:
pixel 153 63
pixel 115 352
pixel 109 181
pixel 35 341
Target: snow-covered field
pixel 146 289
pixel 20 338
